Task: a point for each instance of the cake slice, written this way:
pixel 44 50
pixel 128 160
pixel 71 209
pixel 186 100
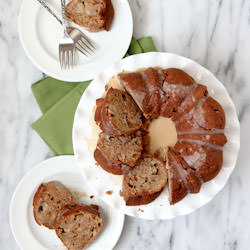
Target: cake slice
pixel 116 153
pixel 176 185
pixel 94 15
pixel 144 87
pixel 210 115
pixel 205 159
pixel 77 226
pixel 144 183
pixel 117 113
pixel 206 115
pixel 124 149
pixel 187 174
pixel 48 200
pixel 199 92
pixel 177 86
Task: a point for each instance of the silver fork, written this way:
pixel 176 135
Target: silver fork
pixel 66 44
pixel 82 42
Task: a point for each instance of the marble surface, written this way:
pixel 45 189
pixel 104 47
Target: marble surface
pixel 215 33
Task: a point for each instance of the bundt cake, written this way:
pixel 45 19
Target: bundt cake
pixel 94 15
pixel 199 121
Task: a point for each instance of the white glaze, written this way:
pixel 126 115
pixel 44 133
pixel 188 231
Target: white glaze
pixel 162 133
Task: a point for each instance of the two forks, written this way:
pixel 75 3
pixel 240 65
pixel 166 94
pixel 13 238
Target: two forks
pixel 73 38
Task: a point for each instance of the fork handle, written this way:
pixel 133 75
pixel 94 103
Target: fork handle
pixel 64 20
pixel 50 10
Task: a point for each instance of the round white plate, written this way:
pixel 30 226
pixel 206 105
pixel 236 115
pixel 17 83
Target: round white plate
pixel 40 34
pixel 101 180
pixel 30 235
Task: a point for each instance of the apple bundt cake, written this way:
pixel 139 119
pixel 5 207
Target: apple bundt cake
pixel 123 117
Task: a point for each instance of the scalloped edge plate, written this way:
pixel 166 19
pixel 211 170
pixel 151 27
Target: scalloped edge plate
pixel 101 180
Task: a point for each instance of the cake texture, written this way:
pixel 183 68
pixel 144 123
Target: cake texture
pixel 116 153
pixel 48 201
pixel 199 121
pixel 77 226
pixel 117 113
pixel 144 183
pixel 94 15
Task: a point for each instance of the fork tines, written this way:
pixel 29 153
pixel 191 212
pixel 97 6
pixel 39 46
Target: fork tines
pixel 85 46
pixel 67 56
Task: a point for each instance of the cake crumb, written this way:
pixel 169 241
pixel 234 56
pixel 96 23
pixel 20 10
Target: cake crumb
pixel 91 196
pixel 141 210
pixel 109 192
pixel 79 195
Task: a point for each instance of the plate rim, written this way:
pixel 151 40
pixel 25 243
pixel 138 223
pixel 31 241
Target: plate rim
pixel 120 216
pixel 237 125
pixel 39 66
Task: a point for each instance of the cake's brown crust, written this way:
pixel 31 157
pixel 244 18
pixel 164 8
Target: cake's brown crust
pixel 153 100
pixel 207 116
pixel 106 164
pixel 41 189
pixel 142 199
pixel 191 101
pixel 205 160
pixel 177 76
pixel 216 139
pixel 176 87
pixel 71 209
pixel 192 181
pixel 156 92
pixel 214 116
pixel 102 120
pixel 145 88
pixel 109 14
pixel 182 179
pixel 75 210
pixel 177 190
pixel 176 186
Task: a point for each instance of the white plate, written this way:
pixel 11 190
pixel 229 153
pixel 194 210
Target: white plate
pixel 101 180
pixel 29 235
pixel 40 33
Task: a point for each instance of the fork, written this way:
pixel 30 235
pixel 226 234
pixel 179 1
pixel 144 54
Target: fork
pixel 82 42
pixel 66 44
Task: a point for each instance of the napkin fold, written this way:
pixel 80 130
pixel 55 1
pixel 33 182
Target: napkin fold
pixel 58 101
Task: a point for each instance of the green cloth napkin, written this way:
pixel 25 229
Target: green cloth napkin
pixel 58 101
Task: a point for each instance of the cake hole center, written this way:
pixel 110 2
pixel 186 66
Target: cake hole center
pixel 162 134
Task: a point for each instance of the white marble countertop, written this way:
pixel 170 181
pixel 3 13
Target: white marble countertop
pixel 215 33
